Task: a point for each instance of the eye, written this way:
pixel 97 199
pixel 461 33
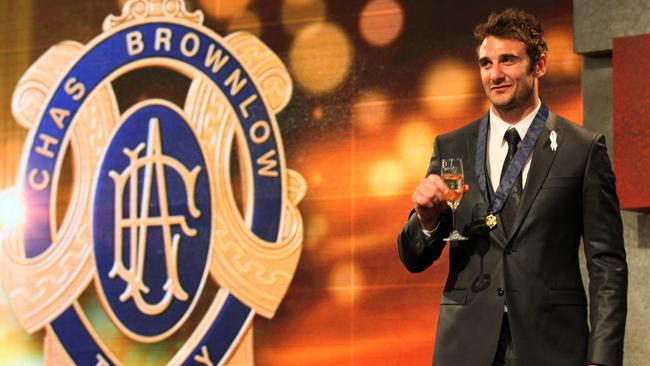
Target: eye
pixel 508 59
pixel 484 64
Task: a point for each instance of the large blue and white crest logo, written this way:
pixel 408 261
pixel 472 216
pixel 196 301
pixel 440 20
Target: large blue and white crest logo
pixel 152 219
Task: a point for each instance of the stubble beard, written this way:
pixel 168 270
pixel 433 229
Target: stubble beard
pixel 511 100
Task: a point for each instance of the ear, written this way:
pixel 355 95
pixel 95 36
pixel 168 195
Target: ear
pixel 540 66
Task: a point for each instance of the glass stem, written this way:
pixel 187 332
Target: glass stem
pixel 453 220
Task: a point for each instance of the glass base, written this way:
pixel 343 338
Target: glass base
pixel 455 236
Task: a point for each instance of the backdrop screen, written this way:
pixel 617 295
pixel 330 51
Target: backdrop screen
pixel 375 81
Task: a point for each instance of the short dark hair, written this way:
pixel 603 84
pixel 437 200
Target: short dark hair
pixel 516 24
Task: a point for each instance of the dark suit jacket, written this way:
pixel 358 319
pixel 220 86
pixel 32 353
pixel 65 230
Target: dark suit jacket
pixel 569 194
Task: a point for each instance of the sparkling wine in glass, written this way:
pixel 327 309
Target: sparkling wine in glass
pixel 451 172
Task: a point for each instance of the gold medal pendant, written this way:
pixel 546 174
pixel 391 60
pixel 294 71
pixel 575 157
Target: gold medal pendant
pixel 491 221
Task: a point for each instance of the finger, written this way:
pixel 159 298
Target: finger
pixel 427 188
pixel 431 191
pixel 466 188
pixel 427 196
pixel 433 185
pixel 438 182
pixel 422 200
pixel 430 181
pixel 433 178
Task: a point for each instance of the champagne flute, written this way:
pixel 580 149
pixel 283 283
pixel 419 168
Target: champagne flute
pixel 451 173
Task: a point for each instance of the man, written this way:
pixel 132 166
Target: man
pixel 514 294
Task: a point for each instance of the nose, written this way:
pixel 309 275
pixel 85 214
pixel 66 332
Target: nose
pixel 496 74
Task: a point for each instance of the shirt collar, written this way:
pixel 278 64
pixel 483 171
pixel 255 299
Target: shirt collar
pixel 498 127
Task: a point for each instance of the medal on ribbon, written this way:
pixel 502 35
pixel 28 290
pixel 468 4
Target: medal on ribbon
pixel 491 221
pixel 514 168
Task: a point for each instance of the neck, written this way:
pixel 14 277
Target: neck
pixel 514 115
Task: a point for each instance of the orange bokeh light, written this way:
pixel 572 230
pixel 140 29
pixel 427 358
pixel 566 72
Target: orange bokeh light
pixel 246 21
pixel 223 9
pixel 295 14
pixel 381 21
pixel 345 281
pixel 562 62
pixel 318 113
pixel 387 178
pixel 320 57
pixel 448 87
pixel 317 225
pixel 415 145
pixel 370 112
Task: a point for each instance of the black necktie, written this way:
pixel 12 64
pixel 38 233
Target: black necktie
pixel 511 205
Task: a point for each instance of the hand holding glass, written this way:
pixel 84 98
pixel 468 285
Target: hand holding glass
pixel 451 172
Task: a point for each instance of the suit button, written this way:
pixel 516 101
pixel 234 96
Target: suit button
pixel 508 251
pixel 500 291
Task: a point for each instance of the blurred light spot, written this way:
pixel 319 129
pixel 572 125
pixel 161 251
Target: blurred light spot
pixel 246 21
pixel 223 9
pixel 300 2
pixel 320 57
pixel 562 61
pixel 370 111
pixel 415 145
pixel 317 114
pixel 386 178
pixel 345 281
pixel 568 105
pixel 381 22
pixel 295 14
pixel 13 208
pixel 17 346
pixel 316 179
pixel 447 88
pixel 21 354
pixel 317 225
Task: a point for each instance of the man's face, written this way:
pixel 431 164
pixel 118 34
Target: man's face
pixel 506 73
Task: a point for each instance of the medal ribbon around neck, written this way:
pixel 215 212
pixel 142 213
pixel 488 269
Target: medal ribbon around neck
pixel 516 164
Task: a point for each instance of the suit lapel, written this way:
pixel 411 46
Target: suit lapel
pixel 472 142
pixel 542 160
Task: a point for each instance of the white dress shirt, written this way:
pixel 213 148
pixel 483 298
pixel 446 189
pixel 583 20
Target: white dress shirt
pixel 498 146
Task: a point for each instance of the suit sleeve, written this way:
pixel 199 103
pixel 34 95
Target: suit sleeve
pixel 605 254
pixel 416 250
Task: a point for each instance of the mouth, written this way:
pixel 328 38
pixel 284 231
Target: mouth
pixel 498 88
